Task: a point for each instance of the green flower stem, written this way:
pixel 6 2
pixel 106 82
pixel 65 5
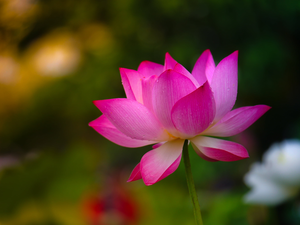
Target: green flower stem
pixel 191 185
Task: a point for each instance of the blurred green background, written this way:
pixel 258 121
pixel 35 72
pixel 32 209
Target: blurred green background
pixel 56 57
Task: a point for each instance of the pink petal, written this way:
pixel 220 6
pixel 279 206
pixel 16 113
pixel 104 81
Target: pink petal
pixel 158 145
pixel 104 127
pixel 148 69
pixel 167 90
pixel 126 84
pixel 202 155
pixel 237 121
pixel 132 84
pixel 193 113
pixel 133 119
pixel 218 149
pixel 147 86
pixel 204 68
pixel 161 162
pixel 169 62
pixel 172 64
pixel 135 174
pixel 180 69
pixel 224 84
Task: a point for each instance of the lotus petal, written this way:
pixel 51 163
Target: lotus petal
pixel 204 68
pixel 161 162
pixel 167 90
pixel 135 174
pixel 219 149
pixel 224 84
pixel 193 113
pixel 237 121
pixel 132 119
pixel 104 127
pixel 148 69
pixel 131 81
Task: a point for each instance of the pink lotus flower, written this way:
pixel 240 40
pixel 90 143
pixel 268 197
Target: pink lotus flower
pixel 166 104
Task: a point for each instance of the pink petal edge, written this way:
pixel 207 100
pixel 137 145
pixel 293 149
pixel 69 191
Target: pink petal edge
pixel 104 127
pixel 131 81
pixel 161 162
pixel 126 84
pixel 193 113
pixel 132 119
pixel 169 62
pixel 199 153
pixel 237 120
pixel 224 84
pixel 148 69
pixel 167 90
pixel 219 149
pixel 204 68
pixel 135 174
pixel 180 69
pixel 147 87
pixel 158 145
